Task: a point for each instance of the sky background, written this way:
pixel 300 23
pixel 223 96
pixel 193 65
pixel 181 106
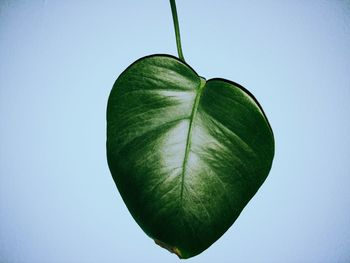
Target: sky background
pixel 58 62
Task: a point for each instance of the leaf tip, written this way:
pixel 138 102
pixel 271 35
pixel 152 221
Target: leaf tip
pixel 171 249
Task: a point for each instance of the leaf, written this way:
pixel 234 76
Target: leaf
pixel 186 154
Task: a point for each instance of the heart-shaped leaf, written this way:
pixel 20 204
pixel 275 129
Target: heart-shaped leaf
pixel 186 154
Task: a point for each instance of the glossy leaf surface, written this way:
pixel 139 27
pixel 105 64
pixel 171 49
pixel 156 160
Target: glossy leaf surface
pixel 186 154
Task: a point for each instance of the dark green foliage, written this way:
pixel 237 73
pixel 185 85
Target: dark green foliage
pixel 186 154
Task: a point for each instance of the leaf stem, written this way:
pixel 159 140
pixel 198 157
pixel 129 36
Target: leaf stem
pixel 177 30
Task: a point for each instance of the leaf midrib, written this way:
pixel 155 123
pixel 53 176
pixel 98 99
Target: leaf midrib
pixel 189 133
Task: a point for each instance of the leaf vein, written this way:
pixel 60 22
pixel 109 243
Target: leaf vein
pixel 189 135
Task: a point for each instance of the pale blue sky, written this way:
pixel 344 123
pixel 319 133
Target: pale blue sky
pixel 58 62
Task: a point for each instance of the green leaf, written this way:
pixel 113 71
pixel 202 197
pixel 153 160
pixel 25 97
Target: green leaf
pixel 186 154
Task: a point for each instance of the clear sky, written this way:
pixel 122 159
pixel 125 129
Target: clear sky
pixel 58 62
